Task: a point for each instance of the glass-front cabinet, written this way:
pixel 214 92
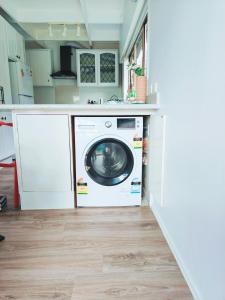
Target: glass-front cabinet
pixel 97 67
pixel 87 71
pixel 108 68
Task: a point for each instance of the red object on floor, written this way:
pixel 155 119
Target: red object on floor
pixel 6 124
pixel 12 165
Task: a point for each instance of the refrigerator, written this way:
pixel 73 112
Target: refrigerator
pixel 21 83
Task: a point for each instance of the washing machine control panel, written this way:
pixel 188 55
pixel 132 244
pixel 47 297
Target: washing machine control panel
pixel 108 124
pixel 126 123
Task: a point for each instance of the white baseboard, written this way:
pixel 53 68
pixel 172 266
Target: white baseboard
pixel 176 254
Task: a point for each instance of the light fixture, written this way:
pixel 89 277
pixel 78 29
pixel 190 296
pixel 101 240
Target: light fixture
pixel 64 30
pixel 50 30
pixel 78 30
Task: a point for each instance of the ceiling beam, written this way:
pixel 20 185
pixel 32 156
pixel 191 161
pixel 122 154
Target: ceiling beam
pixel 14 23
pixel 85 16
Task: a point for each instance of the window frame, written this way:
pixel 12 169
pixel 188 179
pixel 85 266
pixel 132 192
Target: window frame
pixel 143 32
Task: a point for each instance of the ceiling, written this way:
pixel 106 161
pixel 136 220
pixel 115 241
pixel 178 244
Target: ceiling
pixel 97 11
pixel 102 19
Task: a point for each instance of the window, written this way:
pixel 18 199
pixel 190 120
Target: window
pixel 138 54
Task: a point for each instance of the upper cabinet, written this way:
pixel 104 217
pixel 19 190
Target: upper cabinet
pixel 40 61
pixel 4 65
pixel 108 68
pixel 87 71
pixel 20 48
pixel 12 47
pixel 15 44
pixel 97 68
pixel 11 42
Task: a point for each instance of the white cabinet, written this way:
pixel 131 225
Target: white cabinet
pixel 97 68
pixel 11 47
pixel 108 68
pixel 44 161
pixel 11 35
pixel 87 71
pixel 4 65
pixel 44 142
pixel 157 158
pixel 20 47
pixel 15 44
pixel 40 61
pixel 6 137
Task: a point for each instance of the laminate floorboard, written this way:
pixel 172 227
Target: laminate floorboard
pixel 96 254
pixel 87 254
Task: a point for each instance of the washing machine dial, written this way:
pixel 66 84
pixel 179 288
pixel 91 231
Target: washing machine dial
pixel 108 124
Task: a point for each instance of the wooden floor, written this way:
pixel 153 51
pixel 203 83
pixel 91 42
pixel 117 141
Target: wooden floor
pixel 87 254
pixel 6 185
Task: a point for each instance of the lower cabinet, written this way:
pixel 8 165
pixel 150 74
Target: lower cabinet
pixel 44 161
pixel 44 155
pixel 6 137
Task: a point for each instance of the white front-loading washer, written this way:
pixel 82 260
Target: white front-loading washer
pixel 108 153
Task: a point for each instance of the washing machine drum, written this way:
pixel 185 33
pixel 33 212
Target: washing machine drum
pixel 109 162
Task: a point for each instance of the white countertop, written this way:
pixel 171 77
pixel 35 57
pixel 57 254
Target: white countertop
pixel 111 109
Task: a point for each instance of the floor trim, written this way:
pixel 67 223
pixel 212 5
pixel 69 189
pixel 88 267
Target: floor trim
pixel 177 256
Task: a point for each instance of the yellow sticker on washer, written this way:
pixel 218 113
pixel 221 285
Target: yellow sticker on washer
pixel 137 143
pixel 82 188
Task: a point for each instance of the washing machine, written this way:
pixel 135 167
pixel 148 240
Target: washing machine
pixel 108 152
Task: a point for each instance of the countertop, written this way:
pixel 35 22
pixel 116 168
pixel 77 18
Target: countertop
pixel 96 109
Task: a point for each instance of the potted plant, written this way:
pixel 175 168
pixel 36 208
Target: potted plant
pixel 140 84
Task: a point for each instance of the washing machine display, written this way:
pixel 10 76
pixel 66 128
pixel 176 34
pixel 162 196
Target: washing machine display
pixel 109 162
pixel 108 153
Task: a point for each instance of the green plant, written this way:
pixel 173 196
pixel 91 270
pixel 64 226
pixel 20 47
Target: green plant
pixel 137 69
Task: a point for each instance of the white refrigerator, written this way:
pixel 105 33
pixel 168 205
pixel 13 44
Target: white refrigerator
pixel 21 83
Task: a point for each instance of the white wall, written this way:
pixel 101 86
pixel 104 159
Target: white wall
pixel 105 32
pixel 95 93
pixel 44 95
pixel 71 94
pixel 187 59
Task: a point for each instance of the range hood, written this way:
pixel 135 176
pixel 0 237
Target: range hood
pixel 65 64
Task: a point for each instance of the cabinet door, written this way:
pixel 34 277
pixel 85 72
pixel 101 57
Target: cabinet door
pixel 20 48
pixel 11 35
pixel 86 68
pixel 157 158
pixel 40 61
pixel 6 137
pixel 108 68
pixel 4 65
pixel 44 149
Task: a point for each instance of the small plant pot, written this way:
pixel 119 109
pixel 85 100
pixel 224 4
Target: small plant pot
pixel 141 89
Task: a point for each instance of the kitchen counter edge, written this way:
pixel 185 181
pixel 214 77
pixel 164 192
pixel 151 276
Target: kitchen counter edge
pixel 83 109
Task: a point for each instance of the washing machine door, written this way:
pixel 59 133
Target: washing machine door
pixel 109 162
